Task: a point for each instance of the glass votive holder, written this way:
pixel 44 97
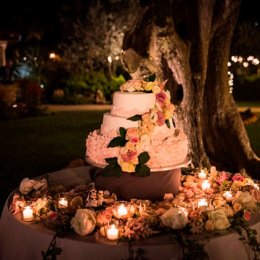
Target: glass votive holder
pixel 112 232
pixel 27 213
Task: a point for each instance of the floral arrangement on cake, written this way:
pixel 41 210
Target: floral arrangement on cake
pixel 132 154
pixel 207 202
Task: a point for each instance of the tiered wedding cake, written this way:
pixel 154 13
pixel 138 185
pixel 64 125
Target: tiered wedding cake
pixel 141 122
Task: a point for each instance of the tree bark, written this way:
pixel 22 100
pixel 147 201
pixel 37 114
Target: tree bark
pixel 188 43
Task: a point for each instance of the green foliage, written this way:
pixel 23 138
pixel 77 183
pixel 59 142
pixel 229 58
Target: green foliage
pixel 143 157
pixel 246 234
pixel 117 141
pixel 135 118
pixel 92 82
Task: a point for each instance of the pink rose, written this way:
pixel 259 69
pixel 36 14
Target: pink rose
pixel 104 217
pixel 223 176
pixel 238 177
pixel 128 156
pixel 161 97
pixel 161 118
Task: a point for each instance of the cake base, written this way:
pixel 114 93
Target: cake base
pixel 152 187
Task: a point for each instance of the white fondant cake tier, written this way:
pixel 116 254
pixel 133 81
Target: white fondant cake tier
pixel 112 123
pixel 163 150
pixel 130 104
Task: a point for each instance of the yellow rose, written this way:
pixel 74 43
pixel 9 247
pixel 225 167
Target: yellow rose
pixel 146 117
pixel 228 210
pixel 132 132
pixel 149 86
pixel 127 167
pixel 156 89
pixel 237 207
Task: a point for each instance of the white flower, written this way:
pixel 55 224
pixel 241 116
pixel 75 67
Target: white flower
pixel 26 185
pixel 84 222
pixel 219 218
pixel 175 218
pixel 40 184
pixel 247 201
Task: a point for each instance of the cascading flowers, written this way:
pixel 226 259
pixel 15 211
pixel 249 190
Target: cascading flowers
pixel 132 141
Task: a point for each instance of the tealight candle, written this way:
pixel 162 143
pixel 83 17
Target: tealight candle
pixel 227 194
pixel 202 203
pixel 112 232
pixel 205 185
pixel 202 174
pixel 122 210
pixel 63 202
pixel 27 213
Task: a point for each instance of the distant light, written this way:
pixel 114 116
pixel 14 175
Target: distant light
pixel 109 58
pixel 255 61
pixel 52 55
pixel 245 64
pixel 35 58
pixel 24 58
pixel 234 58
pixel 230 81
pixel 14 105
pixel 42 86
pixel 117 58
pixel 249 58
pixel 229 64
pixel 240 59
pixel 256 23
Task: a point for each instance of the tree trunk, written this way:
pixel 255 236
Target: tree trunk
pixel 188 44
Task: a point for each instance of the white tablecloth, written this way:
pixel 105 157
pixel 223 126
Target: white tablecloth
pixel 25 240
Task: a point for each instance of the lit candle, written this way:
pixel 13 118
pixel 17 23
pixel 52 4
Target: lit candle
pixel 112 232
pixel 202 203
pixel 205 185
pixel 202 174
pixel 227 194
pixel 27 213
pixel 63 202
pixel 122 210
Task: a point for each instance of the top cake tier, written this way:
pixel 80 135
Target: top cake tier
pixel 127 104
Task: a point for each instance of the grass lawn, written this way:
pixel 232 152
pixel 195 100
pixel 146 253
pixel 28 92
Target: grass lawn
pixel 34 146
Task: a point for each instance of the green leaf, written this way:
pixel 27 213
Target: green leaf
pixel 117 141
pixel 135 118
pixel 112 169
pixel 122 132
pixel 142 170
pixel 168 123
pixel 150 78
pixel 143 157
pixel 111 160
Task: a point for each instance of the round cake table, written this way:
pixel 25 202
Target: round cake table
pixel 25 240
